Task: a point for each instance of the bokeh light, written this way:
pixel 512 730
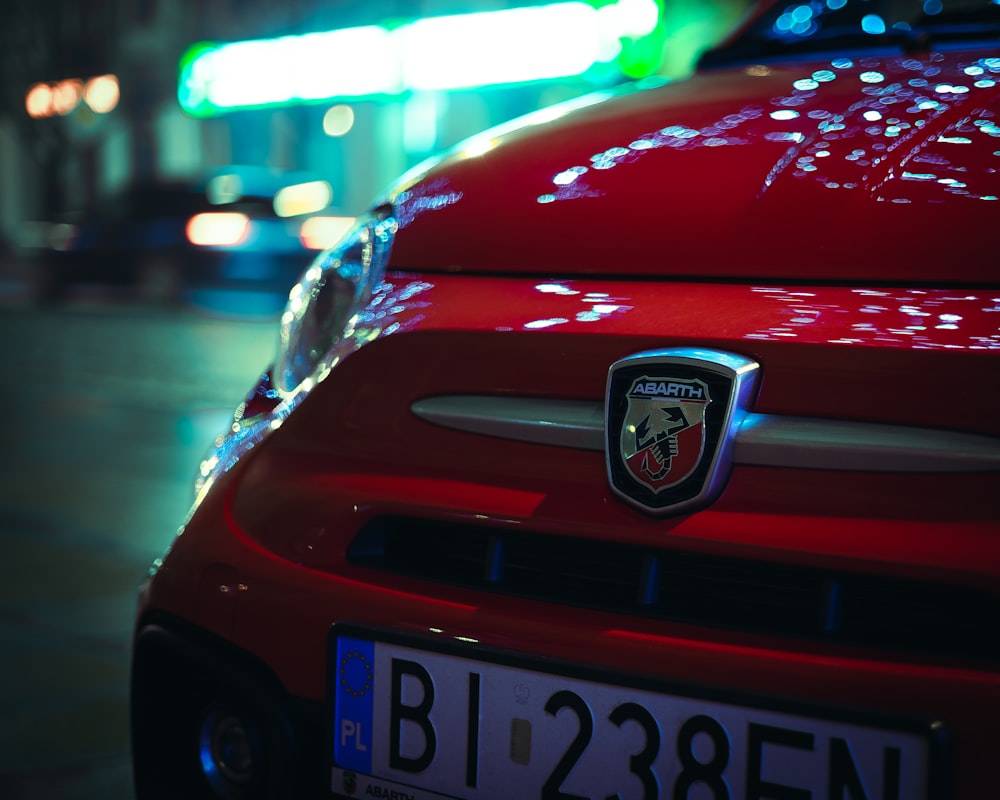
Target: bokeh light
pixel 38 100
pixel 102 93
pixel 338 120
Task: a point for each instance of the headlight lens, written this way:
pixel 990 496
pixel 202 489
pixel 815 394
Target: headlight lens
pixel 323 309
pixel 324 305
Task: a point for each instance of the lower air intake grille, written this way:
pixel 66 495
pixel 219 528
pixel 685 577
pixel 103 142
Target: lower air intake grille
pixel 693 588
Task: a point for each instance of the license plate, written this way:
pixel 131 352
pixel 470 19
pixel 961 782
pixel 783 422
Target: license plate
pixel 411 721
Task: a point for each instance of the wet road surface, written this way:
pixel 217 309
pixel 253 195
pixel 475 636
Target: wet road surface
pixel 108 409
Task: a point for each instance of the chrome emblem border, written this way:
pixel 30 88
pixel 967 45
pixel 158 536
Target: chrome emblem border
pixel 670 421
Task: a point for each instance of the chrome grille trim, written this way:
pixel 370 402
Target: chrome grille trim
pixel 762 439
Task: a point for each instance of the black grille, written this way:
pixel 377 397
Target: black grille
pixel 755 596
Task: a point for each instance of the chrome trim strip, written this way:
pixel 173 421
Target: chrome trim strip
pixel 562 423
pixel 775 441
pixel 762 439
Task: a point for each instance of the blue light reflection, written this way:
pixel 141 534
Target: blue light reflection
pixel 897 101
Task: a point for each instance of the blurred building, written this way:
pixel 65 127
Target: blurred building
pixel 70 152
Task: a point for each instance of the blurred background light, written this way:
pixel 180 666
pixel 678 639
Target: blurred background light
pixel 217 228
pixel 357 61
pixel 338 120
pixel 497 47
pixel 322 232
pixel 873 23
pixel 460 51
pixel 351 96
pixel 317 66
pixel 224 188
pixel 67 95
pixel 302 198
pixel 635 18
pixel 101 93
pixel 38 100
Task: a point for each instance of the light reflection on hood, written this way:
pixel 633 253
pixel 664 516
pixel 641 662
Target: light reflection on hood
pixel 904 318
pixel 393 308
pixel 881 170
pixel 424 197
pixel 919 319
pixel 595 306
pixel 898 100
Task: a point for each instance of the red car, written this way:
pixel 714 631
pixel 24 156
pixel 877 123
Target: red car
pixel 648 447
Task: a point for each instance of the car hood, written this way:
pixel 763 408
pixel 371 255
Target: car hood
pixel 867 169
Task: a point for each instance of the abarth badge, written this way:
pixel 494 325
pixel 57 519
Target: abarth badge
pixel 671 416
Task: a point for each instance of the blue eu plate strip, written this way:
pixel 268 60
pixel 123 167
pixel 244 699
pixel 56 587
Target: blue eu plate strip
pixel 354 695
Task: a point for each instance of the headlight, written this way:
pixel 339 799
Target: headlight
pixel 324 305
pixel 322 312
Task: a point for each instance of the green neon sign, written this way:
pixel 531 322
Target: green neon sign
pixel 517 45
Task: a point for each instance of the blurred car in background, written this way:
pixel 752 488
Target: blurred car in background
pixel 647 447
pixel 241 227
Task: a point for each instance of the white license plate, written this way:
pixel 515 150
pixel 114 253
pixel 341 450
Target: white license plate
pixel 411 723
